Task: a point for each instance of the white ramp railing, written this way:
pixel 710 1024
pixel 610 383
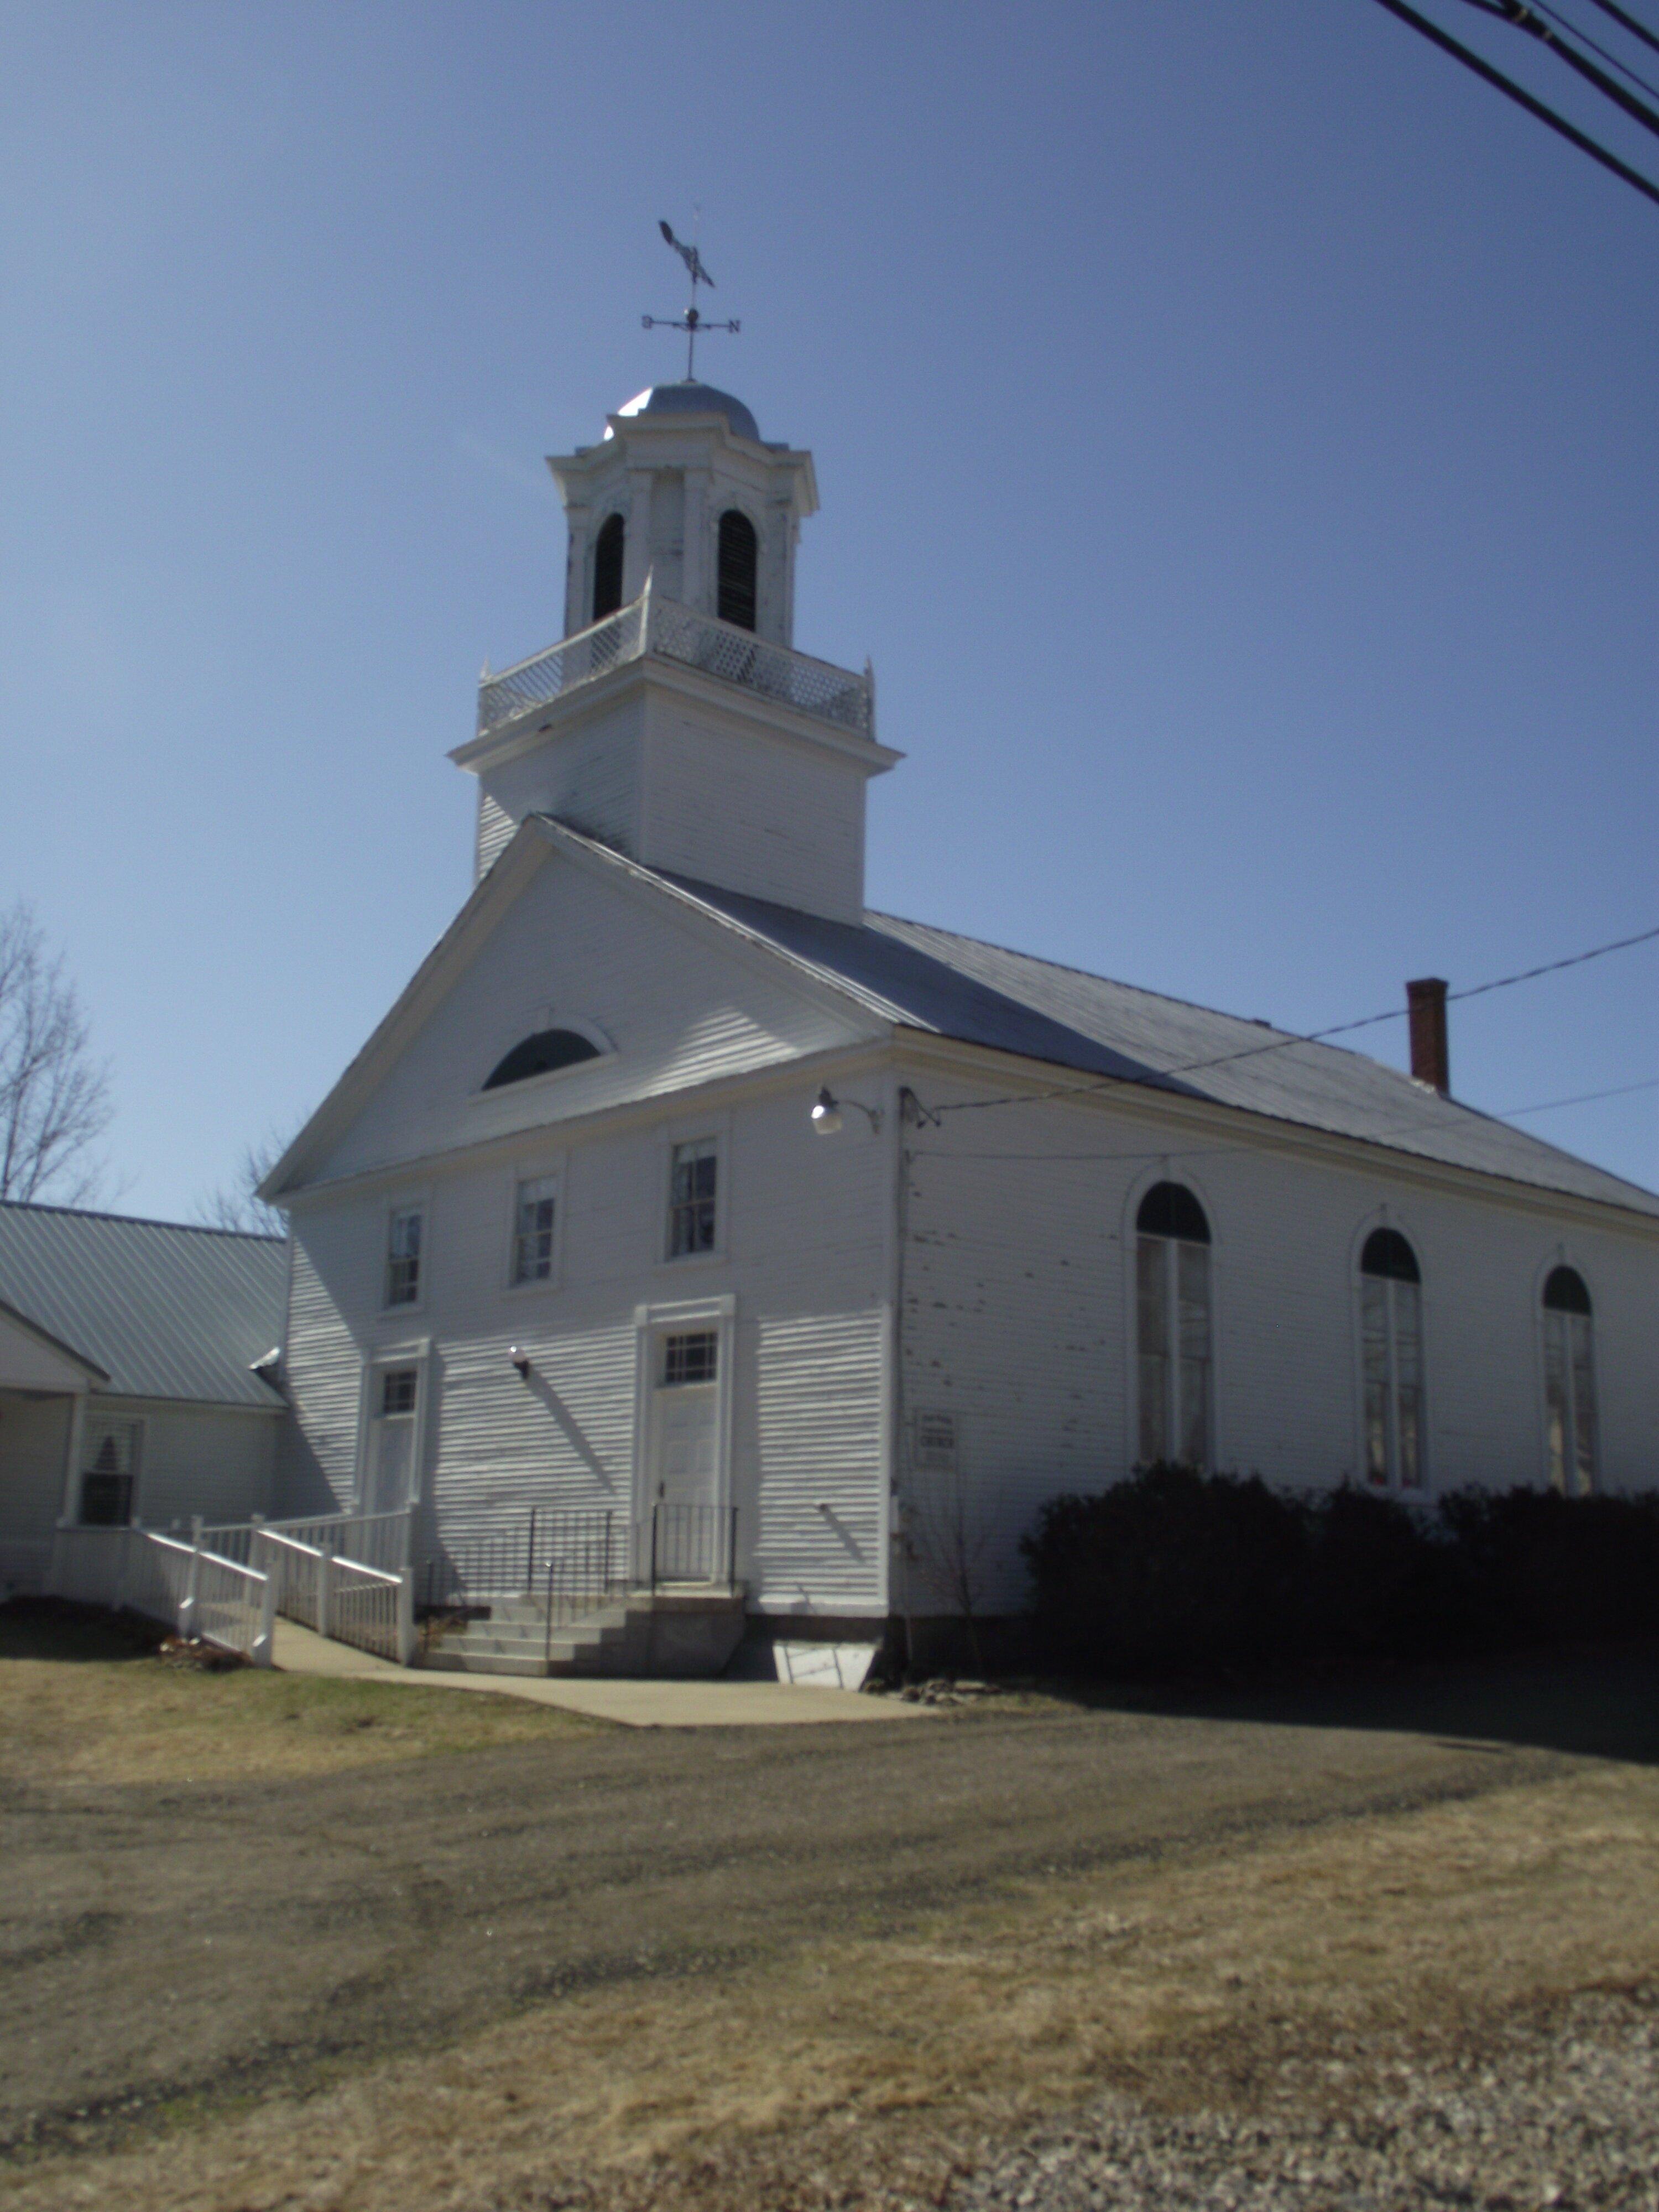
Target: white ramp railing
pixel 191 1589
pixel 346 1576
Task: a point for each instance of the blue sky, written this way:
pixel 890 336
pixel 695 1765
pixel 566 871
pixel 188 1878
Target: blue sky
pixel 1235 429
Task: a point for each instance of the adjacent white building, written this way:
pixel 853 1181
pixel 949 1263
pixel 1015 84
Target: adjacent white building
pixel 137 1377
pixel 677 1185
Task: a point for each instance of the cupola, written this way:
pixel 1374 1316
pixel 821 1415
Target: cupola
pixel 674 720
pixel 682 488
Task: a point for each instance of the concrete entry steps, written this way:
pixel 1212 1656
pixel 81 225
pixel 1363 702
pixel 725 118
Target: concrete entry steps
pixel 670 1635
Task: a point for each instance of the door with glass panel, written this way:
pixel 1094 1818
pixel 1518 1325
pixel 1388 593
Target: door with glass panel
pixel 683 1514
pixel 391 1481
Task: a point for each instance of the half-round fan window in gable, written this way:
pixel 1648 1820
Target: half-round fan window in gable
pixel 540 1056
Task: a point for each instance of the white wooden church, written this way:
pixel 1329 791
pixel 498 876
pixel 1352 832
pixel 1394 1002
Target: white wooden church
pixel 653 1197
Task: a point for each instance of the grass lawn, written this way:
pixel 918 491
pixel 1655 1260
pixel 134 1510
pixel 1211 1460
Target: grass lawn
pixel 86 1699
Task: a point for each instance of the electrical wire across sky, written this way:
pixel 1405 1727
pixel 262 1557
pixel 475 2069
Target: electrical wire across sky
pixel 1283 1043
pixel 1564 40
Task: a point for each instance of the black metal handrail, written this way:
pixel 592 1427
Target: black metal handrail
pixel 514 1560
pixel 691 1544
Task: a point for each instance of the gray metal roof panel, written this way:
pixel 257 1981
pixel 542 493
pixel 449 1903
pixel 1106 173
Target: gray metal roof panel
pixel 959 987
pixel 166 1311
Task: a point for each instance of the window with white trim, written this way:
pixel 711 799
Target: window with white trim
pixel 1172 1326
pixel 109 1471
pixel 535 1210
pixel 1569 1384
pixel 690 1356
pixel 402 1256
pixel 693 1190
pixel 1391 1361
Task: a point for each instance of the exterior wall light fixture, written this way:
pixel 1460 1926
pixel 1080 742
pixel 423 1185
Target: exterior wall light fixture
pixel 827 1112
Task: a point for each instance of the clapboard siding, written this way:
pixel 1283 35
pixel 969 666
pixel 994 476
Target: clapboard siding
pixel 34 1437
pixel 221 1464
pixel 589 776
pixel 804 1244
pixel 573 949
pixel 1018 1314
pixel 729 805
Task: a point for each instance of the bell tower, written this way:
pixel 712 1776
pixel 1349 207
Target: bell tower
pixel 675 720
pixel 682 489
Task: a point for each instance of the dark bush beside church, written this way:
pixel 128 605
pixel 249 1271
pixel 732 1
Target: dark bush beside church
pixel 1171 1571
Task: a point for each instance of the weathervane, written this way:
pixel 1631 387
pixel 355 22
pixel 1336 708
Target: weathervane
pixel 690 322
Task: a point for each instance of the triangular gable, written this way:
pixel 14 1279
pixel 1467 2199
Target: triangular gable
pixel 32 1359
pixel 588 937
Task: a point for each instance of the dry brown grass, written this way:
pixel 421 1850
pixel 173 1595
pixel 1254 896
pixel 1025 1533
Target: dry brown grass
pixel 859 2071
pixel 80 1701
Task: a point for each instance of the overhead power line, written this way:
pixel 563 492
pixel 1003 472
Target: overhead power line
pixel 1319 1037
pixel 1596 47
pixel 1531 21
pixel 1584 1098
pixel 1515 92
pixel 1636 30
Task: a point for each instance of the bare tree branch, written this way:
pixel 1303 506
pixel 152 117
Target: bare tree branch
pixel 54 1096
pixel 236 1204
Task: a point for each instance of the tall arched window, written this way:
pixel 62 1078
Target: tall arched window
pixel 607 567
pixel 1172 1326
pixel 739 569
pixel 1391 1355
pixel 1569 1384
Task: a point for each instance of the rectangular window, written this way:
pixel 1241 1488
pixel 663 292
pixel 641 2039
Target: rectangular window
pixel 399 1387
pixel 691 1357
pixel 691 1197
pixel 533 1210
pixel 109 1467
pixel 402 1257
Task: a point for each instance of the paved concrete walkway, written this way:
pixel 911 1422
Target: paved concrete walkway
pixel 635 1704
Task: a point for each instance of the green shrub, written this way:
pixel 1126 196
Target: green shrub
pixel 1173 1570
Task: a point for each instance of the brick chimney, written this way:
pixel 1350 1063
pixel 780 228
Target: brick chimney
pixel 1425 1006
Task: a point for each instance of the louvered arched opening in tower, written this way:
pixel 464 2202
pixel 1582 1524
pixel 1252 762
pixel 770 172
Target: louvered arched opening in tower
pixel 739 569
pixel 607 567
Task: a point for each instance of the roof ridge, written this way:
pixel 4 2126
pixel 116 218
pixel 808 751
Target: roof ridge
pixel 138 1220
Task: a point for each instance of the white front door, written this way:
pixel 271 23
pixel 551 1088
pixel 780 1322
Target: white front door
pixel 684 1464
pixel 389 1483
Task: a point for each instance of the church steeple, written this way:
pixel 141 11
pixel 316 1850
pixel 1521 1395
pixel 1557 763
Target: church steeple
pixel 698 502
pixel 675 720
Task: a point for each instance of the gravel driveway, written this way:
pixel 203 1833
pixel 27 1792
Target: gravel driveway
pixel 1561 2117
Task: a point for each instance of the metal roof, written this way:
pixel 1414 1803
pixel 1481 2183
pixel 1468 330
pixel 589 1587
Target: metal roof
pixel 956 986
pixel 166 1311
pixel 691 398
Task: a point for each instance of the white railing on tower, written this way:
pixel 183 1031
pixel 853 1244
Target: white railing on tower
pixel 652 624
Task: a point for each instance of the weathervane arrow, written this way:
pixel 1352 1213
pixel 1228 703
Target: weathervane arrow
pixel 690 322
